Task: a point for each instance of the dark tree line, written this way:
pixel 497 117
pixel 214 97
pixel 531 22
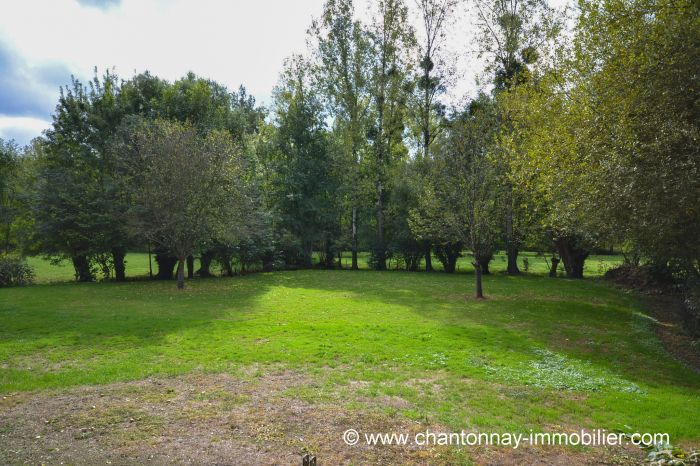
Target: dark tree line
pixel 359 151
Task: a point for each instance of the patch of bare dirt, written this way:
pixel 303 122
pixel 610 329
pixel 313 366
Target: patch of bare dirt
pixel 636 277
pixel 668 309
pixel 223 419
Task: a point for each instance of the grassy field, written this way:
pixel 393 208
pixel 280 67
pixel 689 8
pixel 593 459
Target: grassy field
pixel 537 352
pixel 409 348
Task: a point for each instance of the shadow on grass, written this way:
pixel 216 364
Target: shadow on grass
pixel 584 320
pixel 61 335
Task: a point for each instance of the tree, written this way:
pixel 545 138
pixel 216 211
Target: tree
pixel 402 243
pixel 433 69
pixel 77 208
pixel 463 203
pixel 18 169
pixel 635 68
pixel 545 171
pixel 609 136
pixel 207 105
pixel 431 81
pixel 304 173
pixel 166 164
pixel 392 41
pixel 343 53
pixel 514 36
pixel 9 167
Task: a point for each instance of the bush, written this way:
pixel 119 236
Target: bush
pixel 645 278
pixel 15 271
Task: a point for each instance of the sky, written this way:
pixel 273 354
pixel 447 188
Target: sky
pixel 43 43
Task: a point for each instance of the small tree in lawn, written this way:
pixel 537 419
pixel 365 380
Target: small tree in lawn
pixel 183 186
pixel 465 202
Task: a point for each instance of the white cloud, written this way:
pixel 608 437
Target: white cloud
pixel 233 42
pixel 22 129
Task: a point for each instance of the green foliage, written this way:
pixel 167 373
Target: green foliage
pixel 14 271
pixel 668 455
pixel 610 134
pixel 79 206
pixel 11 193
pixel 578 145
pixel 165 166
pixel 402 243
pixel 390 88
pixel 305 177
pixel 462 199
pixel 514 36
pixel 426 111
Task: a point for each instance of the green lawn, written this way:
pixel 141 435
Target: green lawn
pixel 538 353
pixel 48 272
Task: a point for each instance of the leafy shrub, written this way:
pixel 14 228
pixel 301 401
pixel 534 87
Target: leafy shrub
pixel 15 271
pixel 668 455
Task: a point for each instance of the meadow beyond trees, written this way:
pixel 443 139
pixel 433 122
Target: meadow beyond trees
pixel 577 157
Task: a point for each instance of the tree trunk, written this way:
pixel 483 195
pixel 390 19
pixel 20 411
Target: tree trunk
pixel 268 262
pixel 573 256
pixel 8 232
pixel 511 247
pixel 226 264
pixel 166 264
pixel 553 269
pixel 81 264
pixel 205 264
pixel 119 268
pixel 307 260
pixel 190 266
pixel 477 276
pixel 484 260
pixel 512 253
pixel 354 239
pixel 380 251
pixel 426 109
pixel 181 273
pixel 448 255
pixel 428 257
pixel 328 258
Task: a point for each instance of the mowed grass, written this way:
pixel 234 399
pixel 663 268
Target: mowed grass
pixel 46 271
pixel 539 353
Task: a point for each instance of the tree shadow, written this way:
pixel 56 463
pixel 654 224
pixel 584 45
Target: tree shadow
pixel 584 320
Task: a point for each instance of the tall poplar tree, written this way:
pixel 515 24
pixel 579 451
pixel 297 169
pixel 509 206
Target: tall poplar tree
pixel 431 79
pixel 343 52
pixel 392 43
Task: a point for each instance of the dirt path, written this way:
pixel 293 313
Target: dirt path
pixel 668 309
pixel 221 419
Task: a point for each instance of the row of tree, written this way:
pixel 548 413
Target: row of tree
pixel 587 136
